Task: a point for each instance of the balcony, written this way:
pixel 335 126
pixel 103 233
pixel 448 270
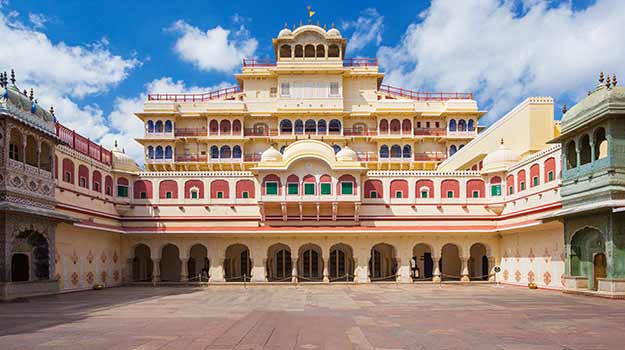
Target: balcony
pixel 424 96
pixel 430 132
pixel 360 62
pixel 260 132
pixel 83 145
pixel 360 132
pixel 191 132
pixel 258 62
pixel 213 95
pixel 191 158
pixel 204 158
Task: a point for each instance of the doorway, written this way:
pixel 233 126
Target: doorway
pixel 600 269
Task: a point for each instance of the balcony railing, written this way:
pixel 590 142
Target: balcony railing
pixel 430 131
pixel 429 156
pixel 360 62
pixel 83 145
pixel 258 62
pixel 213 95
pixel 260 132
pixel 191 132
pixel 360 132
pixel 425 96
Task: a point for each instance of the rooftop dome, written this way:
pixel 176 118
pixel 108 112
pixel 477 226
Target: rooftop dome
pixel 123 162
pixel 346 155
pixel 334 32
pixel 271 155
pixel 284 32
pixel 499 160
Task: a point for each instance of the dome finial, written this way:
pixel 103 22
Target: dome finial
pixel 601 78
pixel 115 143
pixel 332 24
pixel 501 142
pixel 608 82
pixel 52 110
pixel 12 77
pixel 286 25
pixel 614 79
pixel 32 94
pixel 564 108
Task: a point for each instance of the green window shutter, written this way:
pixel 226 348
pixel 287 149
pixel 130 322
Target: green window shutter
pixel 510 190
pixel 309 189
pixel 424 194
pixel 373 194
pixel 220 194
pixel 495 190
pixel 122 191
pixel 271 188
pixel 292 188
pixel 476 194
pixel 194 195
pixel 326 188
pixel 347 188
pixel 522 186
pixel 450 194
pixel 398 194
pixel 246 195
pixel 535 180
pixel 551 176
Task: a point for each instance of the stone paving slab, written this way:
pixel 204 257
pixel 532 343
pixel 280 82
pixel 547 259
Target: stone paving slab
pixel 368 317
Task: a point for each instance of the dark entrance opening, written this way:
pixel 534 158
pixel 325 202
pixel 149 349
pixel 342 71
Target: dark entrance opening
pixel 20 269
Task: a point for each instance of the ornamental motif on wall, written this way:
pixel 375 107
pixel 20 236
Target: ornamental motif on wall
pixel 103 258
pixel 517 275
pixel 506 275
pixel 531 255
pixel 562 279
pixel 547 278
pixel 547 256
pixel 115 257
pixel 75 278
pixel 74 258
pixel 103 276
pixel 518 255
pixel 90 257
pixel 531 277
pixel 90 277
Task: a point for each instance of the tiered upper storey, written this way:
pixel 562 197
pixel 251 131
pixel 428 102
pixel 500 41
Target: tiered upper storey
pixel 310 91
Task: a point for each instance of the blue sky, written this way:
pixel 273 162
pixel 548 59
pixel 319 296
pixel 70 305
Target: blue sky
pixel 96 60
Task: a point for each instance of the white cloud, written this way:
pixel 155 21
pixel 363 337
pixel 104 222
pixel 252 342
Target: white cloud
pixel 367 29
pixel 125 127
pixel 215 49
pixel 488 47
pixel 38 20
pixel 60 73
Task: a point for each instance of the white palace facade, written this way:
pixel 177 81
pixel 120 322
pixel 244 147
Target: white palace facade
pixel 311 169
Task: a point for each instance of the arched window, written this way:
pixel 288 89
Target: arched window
pixel 462 125
pixel 150 152
pixel 168 126
pixel 452 125
pixel 333 51
pixel 213 127
pixel 83 176
pixel 150 126
pixel 310 126
pixel 31 151
pixel 286 126
pixel 395 126
pixel 450 189
pixel 169 152
pixel 158 127
pixel 452 150
pixel 225 152
pixel 299 126
pixel 159 152
pixel 194 189
pixel 335 126
pixel 285 51
pixel 336 148
pixel 406 126
pixel 168 189
pixel 373 189
pixel 585 150
pixel 236 126
pixel 236 152
pixel 424 189
pixel 122 187
pixel 471 125
pixel 383 126
pixel 224 126
pixel 396 151
pixel 571 155
pixel 399 189
pixel 321 126
pixel 407 151
pixel 214 152
pixel 601 144
pixel 476 188
pixel 261 129
pixel 384 151
pixel 321 51
pixel 299 51
pixel 309 51
pixel 97 181
pixel 142 189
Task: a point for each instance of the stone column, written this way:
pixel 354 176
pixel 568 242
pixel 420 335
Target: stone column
pixel 436 274
pixel 403 265
pixel 156 270
pixel 491 269
pixel 361 268
pixel 294 270
pixel 129 273
pixel 184 274
pixel 217 271
pixel 326 271
pixel 465 270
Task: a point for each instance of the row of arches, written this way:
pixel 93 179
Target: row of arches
pixel 194 189
pixel 308 263
pixel 453 149
pixel 160 152
pixel 86 179
pixel 449 188
pixel 461 125
pixel 586 149
pixel 159 126
pixel 309 184
pixel 309 51
pixel 311 126
pixel 395 151
pixel 518 182
pixel 30 149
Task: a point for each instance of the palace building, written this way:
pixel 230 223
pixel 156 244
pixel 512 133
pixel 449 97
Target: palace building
pixel 312 169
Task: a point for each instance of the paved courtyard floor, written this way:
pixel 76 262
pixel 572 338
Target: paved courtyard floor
pixel 314 317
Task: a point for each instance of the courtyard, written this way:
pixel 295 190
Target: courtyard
pixel 380 316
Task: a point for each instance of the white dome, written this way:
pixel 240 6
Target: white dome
pixel 271 155
pixel 346 155
pixel 499 160
pixel 123 162
pixel 284 32
pixel 334 32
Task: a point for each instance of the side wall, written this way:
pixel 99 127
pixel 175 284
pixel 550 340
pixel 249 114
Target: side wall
pixel 85 257
pixel 535 256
